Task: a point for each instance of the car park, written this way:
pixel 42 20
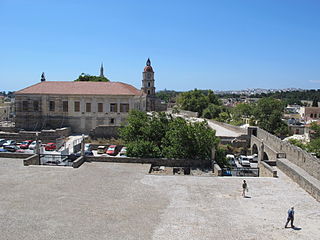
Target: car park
pixel 25 144
pixel 123 152
pixel 87 147
pixel 9 143
pixel 50 147
pixel 3 150
pixel 111 150
pixel 231 159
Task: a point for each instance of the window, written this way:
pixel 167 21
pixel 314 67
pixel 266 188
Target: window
pixel 148 84
pixel 88 107
pixel 65 106
pixel 51 106
pixel 77 106
pixel 315 115
pixel 111 120
pixel 124 107
pixel 311 115
pixel 113 107
pixel 100 107
pixel 36 106
pixel 25 105
pixel 148 91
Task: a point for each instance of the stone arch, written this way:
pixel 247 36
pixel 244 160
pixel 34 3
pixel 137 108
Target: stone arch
pixel 265 156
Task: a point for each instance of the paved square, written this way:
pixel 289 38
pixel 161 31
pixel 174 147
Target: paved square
pixel 121 201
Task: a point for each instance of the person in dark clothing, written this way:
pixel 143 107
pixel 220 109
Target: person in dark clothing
pixel 290 217
pixel 244 188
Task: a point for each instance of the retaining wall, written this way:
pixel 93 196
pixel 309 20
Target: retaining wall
pixel 154 161
pixel 300 176
pixel 266 170
pixel 32 160
pixel 14 155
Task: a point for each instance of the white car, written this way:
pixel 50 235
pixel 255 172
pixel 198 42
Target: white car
pixel 244 161
pixel 9 143
pixel 32 145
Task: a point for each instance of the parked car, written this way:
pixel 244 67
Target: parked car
pixel 25 144
pixel 32 145
pixel 2 141
pixel 123 151
pixel 111 150
pixel 9 143
pixel 231 159
pixel 11 148
pixel 87 147
pixel 50 147
pixel 3 150
pixel 101 149
pixel 244 161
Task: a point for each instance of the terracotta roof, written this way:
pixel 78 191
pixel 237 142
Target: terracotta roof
pixel 80 88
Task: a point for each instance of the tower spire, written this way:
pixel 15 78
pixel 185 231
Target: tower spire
pixel 148 62
pixel 101 70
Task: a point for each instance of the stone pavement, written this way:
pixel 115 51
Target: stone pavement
pixel 121 201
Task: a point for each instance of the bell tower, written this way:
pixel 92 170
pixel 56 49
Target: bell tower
pixel 148 80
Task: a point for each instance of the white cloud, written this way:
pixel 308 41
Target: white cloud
pixel 314 81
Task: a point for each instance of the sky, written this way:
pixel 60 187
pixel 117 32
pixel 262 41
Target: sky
pixel 214 44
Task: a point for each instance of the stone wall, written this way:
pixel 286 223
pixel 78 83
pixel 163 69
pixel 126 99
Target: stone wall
pixel 217 171
pixel 300 176
pixel 78 162
pixel 296 155
pixel 103 131
pixel 154 161
pixel 230 127
pixel 14 155
pixel 32 160
pixel 266 170
pixel 45 135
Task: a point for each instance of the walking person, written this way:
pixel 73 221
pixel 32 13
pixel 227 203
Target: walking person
pixel 244 188
pixel 290 217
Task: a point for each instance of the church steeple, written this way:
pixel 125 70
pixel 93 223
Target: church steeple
pixel 101 70
pixel 148 62
pixel 148 79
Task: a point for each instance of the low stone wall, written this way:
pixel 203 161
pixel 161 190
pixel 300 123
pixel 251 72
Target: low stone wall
pixel 217 171
pixel 266 170
pixel 78 162
pixel 103 131
pixel 14 155
pixel 32 160
pixel 301 177
pixel 154 161
pixel 44 135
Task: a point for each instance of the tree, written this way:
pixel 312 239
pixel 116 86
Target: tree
pixel 197 100
pixel 242 110
pixel 268 113
pixel 161 135
pixel 315 130
pixel 88 78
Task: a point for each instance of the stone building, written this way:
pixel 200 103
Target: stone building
pixel 79 105
pixel 83 106
pixel 309 113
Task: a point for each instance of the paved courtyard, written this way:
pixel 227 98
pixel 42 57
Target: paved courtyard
pixel 121 201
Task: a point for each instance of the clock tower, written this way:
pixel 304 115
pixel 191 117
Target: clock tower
pixel 148 80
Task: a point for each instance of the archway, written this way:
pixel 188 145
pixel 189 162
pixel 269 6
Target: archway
pixel 265 156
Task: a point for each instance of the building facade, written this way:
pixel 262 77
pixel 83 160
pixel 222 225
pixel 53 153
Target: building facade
pixel 80 105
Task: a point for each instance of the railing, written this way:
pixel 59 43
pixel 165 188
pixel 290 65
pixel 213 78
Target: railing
pixel 240 172
pixel 57 159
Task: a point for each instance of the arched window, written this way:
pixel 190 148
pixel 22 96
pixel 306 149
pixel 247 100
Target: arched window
pixel 311 115
pixel 148 84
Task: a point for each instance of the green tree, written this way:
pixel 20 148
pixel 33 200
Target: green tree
pixel 88 78
pixel 268 113
pixel 160 135
pixel 242 110
pixel 315 101
pixel 315 130
pixel 194 101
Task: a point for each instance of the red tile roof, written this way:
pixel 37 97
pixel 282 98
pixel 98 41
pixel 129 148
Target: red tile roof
pixel 80 88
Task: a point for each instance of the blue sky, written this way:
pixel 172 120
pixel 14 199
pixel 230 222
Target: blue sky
pixel 219 45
